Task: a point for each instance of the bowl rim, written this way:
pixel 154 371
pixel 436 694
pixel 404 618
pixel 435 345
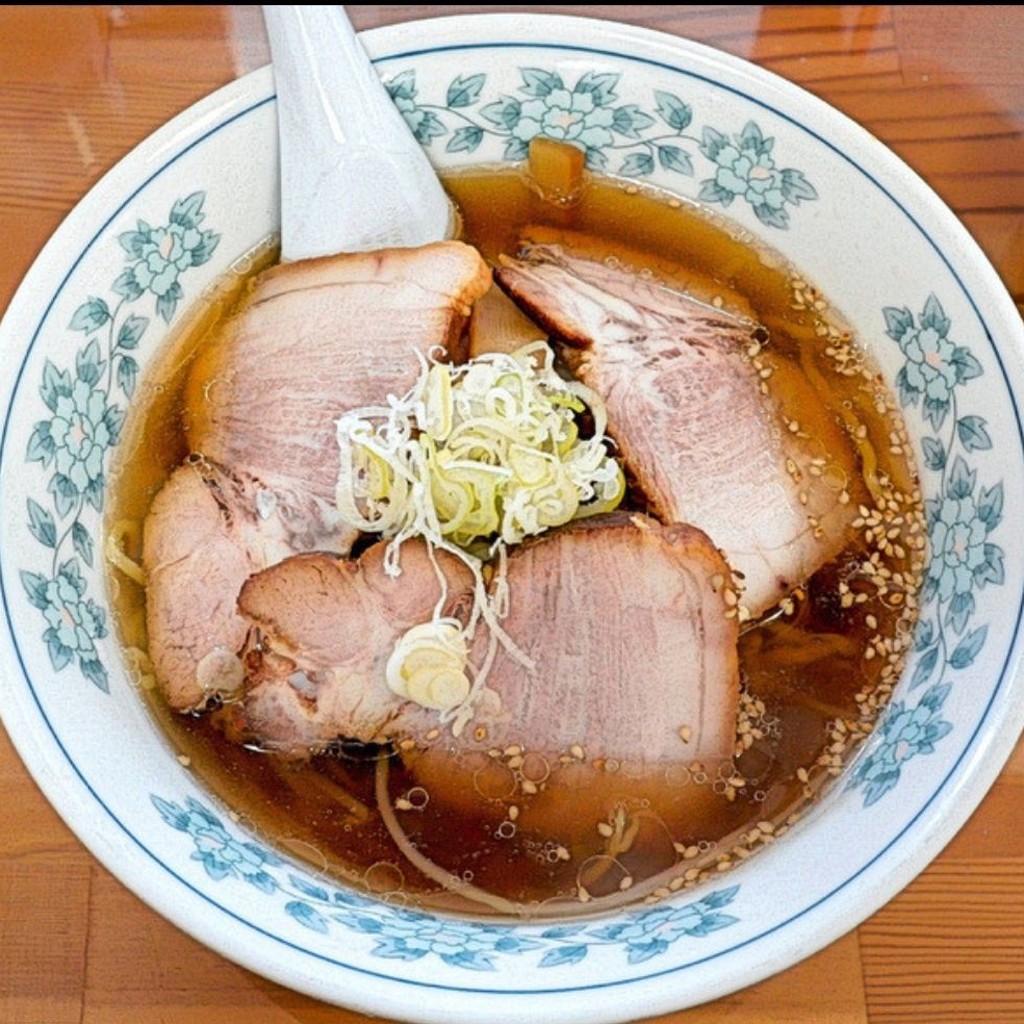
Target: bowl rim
pixel 985 756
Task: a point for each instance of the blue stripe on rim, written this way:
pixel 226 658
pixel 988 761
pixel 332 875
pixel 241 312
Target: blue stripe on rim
pixel 1003 676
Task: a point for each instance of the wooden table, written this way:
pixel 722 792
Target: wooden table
pixel 944 86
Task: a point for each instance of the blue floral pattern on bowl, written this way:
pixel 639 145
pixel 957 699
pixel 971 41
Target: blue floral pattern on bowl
pixel 84 425
pixel 622 138
pixel 960 519
pixel 158 256
pixel 399 933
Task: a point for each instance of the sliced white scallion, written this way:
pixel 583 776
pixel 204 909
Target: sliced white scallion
pixel 428 665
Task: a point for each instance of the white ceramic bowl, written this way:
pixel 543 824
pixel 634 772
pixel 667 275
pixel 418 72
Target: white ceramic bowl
pixel 175 213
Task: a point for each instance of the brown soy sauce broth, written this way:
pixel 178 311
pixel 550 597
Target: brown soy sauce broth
pixel 815 671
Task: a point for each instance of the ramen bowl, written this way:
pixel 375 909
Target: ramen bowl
pixel 189 203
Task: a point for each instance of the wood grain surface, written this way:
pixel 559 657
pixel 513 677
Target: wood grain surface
pixel 942 85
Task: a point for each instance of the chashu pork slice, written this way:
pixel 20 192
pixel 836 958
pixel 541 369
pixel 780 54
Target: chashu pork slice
pixel 315 339
pixel 626 624
pixel 704 440
pixel 633 690
pixel 324 630
pixel 631 642
pixel 203 537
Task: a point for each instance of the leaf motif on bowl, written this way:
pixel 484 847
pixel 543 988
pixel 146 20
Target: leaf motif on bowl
pixel 86 415
pixel 621 138
pixel 960 521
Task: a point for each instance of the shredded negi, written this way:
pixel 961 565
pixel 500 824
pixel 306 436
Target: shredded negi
pixel 472 459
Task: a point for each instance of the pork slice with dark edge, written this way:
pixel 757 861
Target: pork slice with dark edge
pixel 323 630
pixel 314 340
pixel 630 641
pixel 693 404
pixel 202 539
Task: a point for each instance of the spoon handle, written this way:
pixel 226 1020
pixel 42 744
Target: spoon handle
pixel 353 176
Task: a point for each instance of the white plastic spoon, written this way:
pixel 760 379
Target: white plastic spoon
pixel 353 176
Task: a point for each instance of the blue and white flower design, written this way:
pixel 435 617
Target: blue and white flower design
pixel 75 622
pixel 961 521
pixel 746 170
pixel 651 932
pixel 615 136
pixel 160 255
pixel 582 115
pixel 935 365
pixel 222 855
pixel 73 442
pixel 75 439
pixel 411 935
pixel 905 733
pixel 398 933
pixel 959 524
